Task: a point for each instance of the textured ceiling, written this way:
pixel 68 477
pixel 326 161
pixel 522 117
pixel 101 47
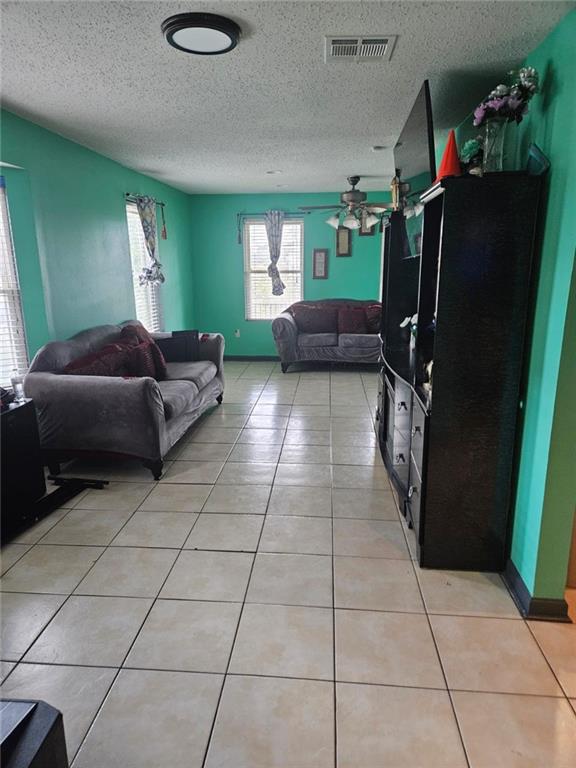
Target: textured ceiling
pixel 100 73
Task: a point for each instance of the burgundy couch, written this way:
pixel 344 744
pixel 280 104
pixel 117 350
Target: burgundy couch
pixel 333 330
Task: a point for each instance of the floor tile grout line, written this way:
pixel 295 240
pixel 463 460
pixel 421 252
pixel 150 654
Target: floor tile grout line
pixel 154 600
pixel 119 669
pixel 548 662
pixel 232 646
pixel 444 675
pixel 68 595
pixel 560 697
pixel 334 689
pixel 259 602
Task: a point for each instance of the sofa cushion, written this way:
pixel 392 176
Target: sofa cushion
pixel 373 317
pixel 359 340
pixel 317 339
pixel 352 320
pixel 111 360
pixel 315 319
pixel 178 397
pixel 200 372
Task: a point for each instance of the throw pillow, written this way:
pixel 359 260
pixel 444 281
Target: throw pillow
pixel 159 362
pixel 108 361
pixel 134 336
pixel 352 320
pixel 140 360
pixel 132 333
pixel 374 317
pixel 315 319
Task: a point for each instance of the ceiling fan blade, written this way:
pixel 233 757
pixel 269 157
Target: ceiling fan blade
pixel 376 207
pixel 320 207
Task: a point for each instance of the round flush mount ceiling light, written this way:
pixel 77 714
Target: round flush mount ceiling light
pixel 204 34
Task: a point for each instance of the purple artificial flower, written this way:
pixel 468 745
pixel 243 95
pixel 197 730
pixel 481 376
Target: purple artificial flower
pixel 497 104
pixel 479 114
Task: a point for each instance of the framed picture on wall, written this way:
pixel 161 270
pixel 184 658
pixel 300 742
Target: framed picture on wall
pixel 365 231
pixel 343 242
pixel 320 264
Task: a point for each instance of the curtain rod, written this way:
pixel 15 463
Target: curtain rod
pixel 240 216
pixel 132 197
pixel 286 213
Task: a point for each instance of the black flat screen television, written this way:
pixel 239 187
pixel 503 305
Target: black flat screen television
pixel 414 157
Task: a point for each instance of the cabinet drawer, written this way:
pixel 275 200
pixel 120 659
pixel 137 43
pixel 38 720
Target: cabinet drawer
pixel 418 434
pixel 414 497
pixel 402 400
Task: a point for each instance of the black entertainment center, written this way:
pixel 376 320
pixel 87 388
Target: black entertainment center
pixel 460 258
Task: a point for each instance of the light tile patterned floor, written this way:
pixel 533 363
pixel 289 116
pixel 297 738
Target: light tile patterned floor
pixel 259 608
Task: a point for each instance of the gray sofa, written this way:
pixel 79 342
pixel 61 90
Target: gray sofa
pixel 136 417
pixel 295 345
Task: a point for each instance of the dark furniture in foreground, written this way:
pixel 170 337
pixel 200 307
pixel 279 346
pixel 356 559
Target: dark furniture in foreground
pixel 296 344
pixel 35 741
pixel 24 497
pixel 22 471
pixel 113 415
pixel 450 405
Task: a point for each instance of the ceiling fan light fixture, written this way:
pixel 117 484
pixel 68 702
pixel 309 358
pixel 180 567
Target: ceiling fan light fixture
pixel 333 221
pixel 351 222
pixel 205 34
pixel 371 220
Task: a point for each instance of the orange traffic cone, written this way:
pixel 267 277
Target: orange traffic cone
pixel 450 165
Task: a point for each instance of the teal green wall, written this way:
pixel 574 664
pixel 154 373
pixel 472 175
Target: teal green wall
pixel 219 264
pixel 71 240
pixel 547 480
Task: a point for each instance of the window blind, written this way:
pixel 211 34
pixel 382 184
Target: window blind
pixel 146 297
pixel 13 347
pixel 261 304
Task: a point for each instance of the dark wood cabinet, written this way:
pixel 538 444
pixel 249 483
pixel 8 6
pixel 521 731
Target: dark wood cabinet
pixel 464 372
pixel 22 476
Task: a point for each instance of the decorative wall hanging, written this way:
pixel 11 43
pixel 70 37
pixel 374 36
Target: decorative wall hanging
pixel 343 242
pixel 320 264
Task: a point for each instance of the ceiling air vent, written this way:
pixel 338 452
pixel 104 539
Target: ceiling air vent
pixel 359 48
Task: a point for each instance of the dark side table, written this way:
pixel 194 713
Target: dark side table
pixel 22 477
pixel 24 497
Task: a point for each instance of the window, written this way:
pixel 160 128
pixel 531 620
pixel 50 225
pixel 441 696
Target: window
pixel 146 297
pixel 13 349
pixel 261 304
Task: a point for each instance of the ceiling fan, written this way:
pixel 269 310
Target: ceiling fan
pixel 353 204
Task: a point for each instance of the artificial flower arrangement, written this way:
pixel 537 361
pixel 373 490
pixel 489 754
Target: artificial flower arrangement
pixel 509 101
pixel 471 154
